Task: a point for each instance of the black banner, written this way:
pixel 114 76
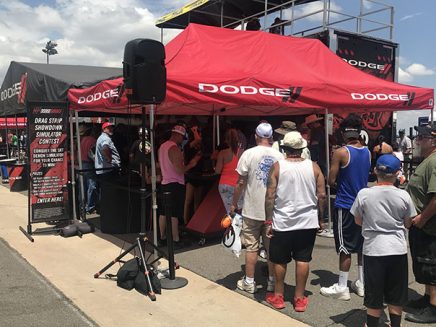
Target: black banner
pixel 377 58
pixel 48 161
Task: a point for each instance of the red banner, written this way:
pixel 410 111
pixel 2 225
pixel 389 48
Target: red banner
pixel 12 123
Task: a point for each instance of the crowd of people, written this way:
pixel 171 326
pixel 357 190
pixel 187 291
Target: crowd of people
pixel 279 185
pixel 14 142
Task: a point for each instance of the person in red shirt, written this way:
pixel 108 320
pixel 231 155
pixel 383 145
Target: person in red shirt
pixel 87 150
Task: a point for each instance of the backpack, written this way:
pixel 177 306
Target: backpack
pixel 131 275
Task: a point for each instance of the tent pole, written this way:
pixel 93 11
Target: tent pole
pixel 327 232
pixel 432 117
pixel 6 138
pixel 153 178
pixel 265 13
pixel 214 131
pixel 18 139
pixel 218 130
pixel 73 181
pixel 222 14
pixel 79 159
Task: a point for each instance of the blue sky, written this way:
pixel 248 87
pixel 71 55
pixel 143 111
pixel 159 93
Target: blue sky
pixel 93 32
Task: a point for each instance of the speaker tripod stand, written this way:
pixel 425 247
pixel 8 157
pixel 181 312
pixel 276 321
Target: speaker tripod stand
pixel 140 243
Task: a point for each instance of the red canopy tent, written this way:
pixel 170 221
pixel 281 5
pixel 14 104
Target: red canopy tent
pixel 230 72
pixel 221 71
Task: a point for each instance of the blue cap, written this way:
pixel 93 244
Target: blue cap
pixel 388 163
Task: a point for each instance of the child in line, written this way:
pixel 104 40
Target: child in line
pixel 384 211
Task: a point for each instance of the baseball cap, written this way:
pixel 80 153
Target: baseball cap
pixel 286 127
pixel 388 163
pixel 179 129
pixel 294 140
pixel 426 130
pixel 264 130
pixel 107 124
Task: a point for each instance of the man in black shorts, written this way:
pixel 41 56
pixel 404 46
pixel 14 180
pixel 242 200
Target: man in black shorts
pixel 294 205
pixel 422 235
pixel 173 179
pixel 349 173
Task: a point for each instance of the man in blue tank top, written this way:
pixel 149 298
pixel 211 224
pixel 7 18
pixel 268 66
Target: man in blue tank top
pixel 349 173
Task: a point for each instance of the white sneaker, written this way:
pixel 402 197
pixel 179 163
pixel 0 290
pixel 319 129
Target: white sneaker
pixel 357 286
pixel 270 285
pixel 262 253
pixel 336 292
pixel 244 286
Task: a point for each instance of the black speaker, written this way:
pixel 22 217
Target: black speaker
pixel 144 72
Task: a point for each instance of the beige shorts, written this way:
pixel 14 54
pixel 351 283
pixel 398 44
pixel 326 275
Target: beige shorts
pixel 251 232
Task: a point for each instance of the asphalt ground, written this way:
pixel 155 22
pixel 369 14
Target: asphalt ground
pixel 29 299
pixel 215 263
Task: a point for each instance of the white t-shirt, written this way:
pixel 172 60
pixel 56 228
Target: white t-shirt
pixel 383 210
pixel 400 157
pixel 255 163
pixel 296 202
pixel 405 144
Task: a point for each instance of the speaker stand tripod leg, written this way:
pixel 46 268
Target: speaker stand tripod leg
pixel 151 293
pixel 117 259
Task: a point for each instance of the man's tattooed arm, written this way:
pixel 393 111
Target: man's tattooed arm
pixel 271 190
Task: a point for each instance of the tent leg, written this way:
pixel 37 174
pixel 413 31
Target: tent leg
pixel 153 178
pixel 79 159
pixel 217 130
pixel 73 182
pixel 327 232
pixel 6 138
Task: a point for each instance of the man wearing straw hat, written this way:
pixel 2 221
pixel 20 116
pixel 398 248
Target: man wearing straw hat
pixel 294 208
pixel 286 127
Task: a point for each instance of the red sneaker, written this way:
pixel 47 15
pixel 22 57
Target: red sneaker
pixel 300 303
pixel 275 300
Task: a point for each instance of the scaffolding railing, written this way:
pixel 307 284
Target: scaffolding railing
pixel 331 17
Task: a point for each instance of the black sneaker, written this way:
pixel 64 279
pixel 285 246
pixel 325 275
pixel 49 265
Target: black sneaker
pixel 420 303
pixel 426 315
pixel 181 244
pixel 161 243
pixel 90 212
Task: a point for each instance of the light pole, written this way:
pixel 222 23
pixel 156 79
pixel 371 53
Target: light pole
pixel 50 49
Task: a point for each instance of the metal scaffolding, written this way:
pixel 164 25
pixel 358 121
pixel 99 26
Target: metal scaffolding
pixel 295 17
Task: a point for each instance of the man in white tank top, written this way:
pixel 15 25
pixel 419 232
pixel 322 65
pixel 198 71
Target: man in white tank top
pixel 294 206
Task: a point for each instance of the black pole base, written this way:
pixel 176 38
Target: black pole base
pixel 172 284
pixel 27 234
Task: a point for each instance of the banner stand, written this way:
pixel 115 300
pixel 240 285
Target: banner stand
pixel 48 199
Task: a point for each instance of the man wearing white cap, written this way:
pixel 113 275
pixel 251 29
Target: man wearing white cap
pixel 294 207
pixel 173 179
pixel 253 168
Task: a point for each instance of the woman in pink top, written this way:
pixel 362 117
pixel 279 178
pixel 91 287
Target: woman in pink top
pixel 226 164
